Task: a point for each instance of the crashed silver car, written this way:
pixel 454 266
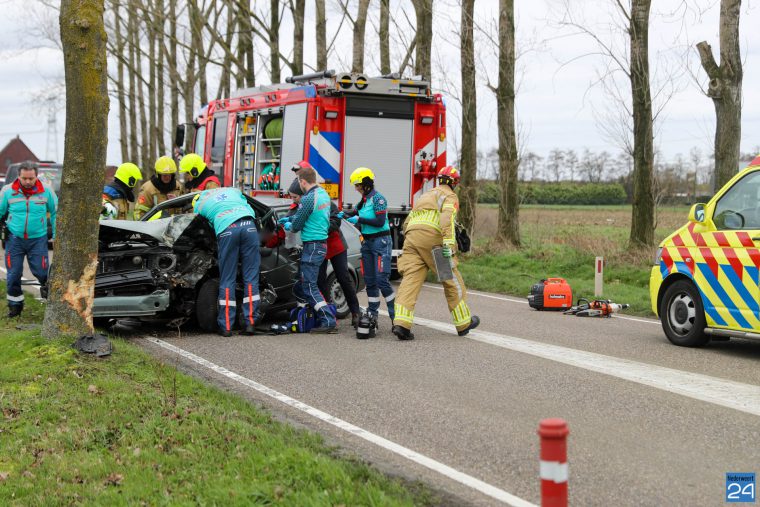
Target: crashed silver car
pixel 165 269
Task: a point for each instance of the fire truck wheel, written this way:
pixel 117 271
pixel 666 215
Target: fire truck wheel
pixel 207 305
pixel 683 316
pixel 337 296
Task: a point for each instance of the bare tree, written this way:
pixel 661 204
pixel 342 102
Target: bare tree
pixel 298 29
pixel 321 33
pixel 725 90
pixel 384 34
pixel 468 194
pixel 360 23
pixel 274 40
pixel 423 10
pixel 555 164
pixel 72 277
pixel 571 162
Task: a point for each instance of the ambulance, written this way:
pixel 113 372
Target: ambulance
pixel 705 284
pixel 337 122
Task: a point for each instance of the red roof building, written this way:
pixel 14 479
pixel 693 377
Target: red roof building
pixel 15 151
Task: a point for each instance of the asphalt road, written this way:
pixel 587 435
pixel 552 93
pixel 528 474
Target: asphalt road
pixel 651 423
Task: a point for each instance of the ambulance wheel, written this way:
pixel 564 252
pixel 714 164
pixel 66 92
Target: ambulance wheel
pixel 683 316
pixel 207 306
pixel 337 296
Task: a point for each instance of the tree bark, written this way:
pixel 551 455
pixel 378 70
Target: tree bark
pixel 274 40
pixel 134 153
pixel 72 277
pixel 385 37
pixel 120 89
pixel 144 163
pixel 246 40
pixel 321 35
pixel 509 205
pixel 725 90
pixel 642 219
pixel 360 24
pixel 469 152
pixel 160 87
pixel 174 75
pixel 422 62
pixel 298 29
pixel 224 79
pixel 152 110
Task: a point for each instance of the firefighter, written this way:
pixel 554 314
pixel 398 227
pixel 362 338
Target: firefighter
pixel 162 186
pixel 118 194
pixel 237 240
pixel 197 175
pixel 371 216
pixel 431 223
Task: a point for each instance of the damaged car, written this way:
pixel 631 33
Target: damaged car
pixel 165 269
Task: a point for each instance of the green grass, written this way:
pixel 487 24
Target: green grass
pixel 128 430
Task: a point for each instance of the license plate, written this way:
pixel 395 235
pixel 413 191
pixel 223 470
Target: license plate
pixel 331 189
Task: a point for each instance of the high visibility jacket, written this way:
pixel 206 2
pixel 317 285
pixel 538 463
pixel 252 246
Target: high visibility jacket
pixel 373 215
pixel 223 207
pixel 28 211
pixel 313 215
pixel 150 196
pixel 436 209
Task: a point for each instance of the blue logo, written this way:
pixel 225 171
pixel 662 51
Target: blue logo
pixel 740 487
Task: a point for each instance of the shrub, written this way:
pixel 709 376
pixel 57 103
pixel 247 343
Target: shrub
pixel 558 193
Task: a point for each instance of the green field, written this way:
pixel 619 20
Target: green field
pixel 563 241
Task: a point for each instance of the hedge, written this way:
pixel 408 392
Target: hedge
pixel 558 193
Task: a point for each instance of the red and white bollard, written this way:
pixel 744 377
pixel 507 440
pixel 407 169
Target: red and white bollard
pixel 553 471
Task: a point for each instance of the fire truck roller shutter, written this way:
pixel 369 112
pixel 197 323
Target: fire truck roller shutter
pixel 293 140
pixel 385 146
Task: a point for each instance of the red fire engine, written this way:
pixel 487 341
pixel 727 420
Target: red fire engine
pixel 337 122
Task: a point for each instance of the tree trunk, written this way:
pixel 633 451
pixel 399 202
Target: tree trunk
pixel 725 89
pixel 298 29
pixel 385 37
pixel 274 40
pixel 321 27
pixel 246 41
pixel 72 277
pixel 224 79
pixel 150 131
pixel 642 219
pixel 134 153
pixel 145 165
pixel 360 24
pixel 172 62
pixel 120 90
pixel 468 164
pixel 509 205
pixel 196 22
pixel 423 10
pixel 188 96
pixel 160 111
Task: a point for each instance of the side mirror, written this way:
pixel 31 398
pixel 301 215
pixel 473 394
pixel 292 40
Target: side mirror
pixel 697 213
pixel 179 136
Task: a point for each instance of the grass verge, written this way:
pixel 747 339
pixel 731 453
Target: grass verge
pixel 130 430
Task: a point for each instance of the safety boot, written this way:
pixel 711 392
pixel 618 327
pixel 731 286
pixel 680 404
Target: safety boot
pixel 14 311
pixel 249 330
pixel 402 333
pixel 474 322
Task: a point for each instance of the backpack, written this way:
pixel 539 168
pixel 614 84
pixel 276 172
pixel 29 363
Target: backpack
pixel 303 318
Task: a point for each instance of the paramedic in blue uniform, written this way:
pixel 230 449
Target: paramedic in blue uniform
pixel 237 239
pixel 27 202
pixel 371 215
pixel 312 219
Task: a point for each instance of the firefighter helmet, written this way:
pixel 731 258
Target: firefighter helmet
pixel 193 164
pixel 166 165
pixel 449 175
pixel 361 174
pixel 129 174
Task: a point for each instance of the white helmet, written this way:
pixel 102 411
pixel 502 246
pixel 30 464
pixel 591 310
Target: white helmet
pixel 110 212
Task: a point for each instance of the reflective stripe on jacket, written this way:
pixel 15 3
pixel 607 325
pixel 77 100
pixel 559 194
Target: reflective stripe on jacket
pixel 436 209
pixel 28 213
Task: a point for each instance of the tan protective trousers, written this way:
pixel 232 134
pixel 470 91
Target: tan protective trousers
pixel 413 265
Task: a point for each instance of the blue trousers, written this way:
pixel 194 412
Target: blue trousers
pixel 36 252
pixel 238 242
pixel 306 289
pixel 376 267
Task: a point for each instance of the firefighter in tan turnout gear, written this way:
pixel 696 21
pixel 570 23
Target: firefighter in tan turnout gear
pixel 431 223
pixel 163 186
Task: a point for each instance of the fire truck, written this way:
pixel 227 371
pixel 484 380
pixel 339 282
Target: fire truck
pixel 337 122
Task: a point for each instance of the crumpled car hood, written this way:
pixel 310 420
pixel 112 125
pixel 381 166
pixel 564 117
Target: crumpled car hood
pixel 164 231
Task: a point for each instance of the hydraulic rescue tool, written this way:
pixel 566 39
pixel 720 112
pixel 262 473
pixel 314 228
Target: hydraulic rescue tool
pixel 595 308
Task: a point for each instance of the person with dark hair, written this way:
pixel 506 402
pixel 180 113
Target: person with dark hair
pixel 28 203
pixel 371 216
pixel 312 219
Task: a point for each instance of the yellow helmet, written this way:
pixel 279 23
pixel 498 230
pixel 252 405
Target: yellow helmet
pixel 357 177
pixel 193 164
pixel 129 174
pixel 166 165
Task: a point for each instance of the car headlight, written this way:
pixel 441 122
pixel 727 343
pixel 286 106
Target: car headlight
pixel 658 257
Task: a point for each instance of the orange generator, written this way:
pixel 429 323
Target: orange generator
pixel 551 294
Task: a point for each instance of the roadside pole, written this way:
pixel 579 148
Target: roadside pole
pixel 598 276
pixel 553 468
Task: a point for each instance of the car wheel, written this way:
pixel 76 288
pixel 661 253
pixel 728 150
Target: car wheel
pixel 337 296
pixel 683 316
pixel 207 305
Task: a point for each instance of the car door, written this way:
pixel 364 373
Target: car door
pixel 728 257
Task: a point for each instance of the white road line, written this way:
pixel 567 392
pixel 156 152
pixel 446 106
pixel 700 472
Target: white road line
pixel 726 393
pixel 402 451
pixel 523 302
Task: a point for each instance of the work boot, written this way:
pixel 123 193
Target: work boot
pixel 355 319
pixel 14 311
pixel 249 330
pixel 402 333
pixel 224 332
pixel 474 322
pixel 43 291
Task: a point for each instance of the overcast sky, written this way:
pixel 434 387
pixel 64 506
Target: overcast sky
pixel 560 102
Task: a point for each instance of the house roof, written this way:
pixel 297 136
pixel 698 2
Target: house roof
pixel 15 151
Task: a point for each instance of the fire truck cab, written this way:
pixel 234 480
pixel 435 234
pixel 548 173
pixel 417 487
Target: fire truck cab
pixel 337 122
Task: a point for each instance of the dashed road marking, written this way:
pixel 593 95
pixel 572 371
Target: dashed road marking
pixel 436 466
